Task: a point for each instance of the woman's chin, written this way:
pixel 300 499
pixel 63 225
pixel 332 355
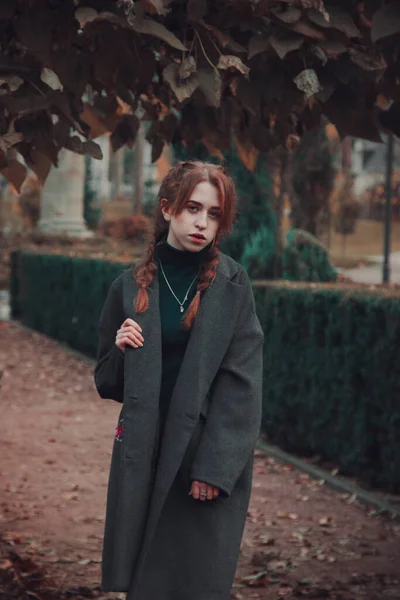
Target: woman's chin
pixel 196 245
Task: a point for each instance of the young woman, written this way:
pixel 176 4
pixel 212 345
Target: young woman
pixel 180 346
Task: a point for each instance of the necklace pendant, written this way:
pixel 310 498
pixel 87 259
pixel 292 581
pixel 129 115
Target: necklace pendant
pixel 182 309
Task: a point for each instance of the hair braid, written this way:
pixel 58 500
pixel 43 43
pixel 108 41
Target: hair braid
pixel 144 274
pixel 207 275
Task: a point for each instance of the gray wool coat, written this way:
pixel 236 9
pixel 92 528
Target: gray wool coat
pixel 160 543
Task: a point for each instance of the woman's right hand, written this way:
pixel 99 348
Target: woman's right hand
pixel 130 333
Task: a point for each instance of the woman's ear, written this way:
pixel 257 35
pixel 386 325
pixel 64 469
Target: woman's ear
pixel 165 209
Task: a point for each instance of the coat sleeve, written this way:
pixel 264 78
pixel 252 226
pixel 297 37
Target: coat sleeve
pixel 109 370
pixel 234 416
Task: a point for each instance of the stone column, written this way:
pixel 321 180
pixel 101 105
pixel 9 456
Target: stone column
pixel 99 169
pixel 150 176
pixel 116 173
pixel 62 199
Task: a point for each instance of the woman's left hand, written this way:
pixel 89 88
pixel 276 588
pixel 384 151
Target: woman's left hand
pixel 203 491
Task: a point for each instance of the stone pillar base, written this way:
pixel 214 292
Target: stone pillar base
pixel 70 227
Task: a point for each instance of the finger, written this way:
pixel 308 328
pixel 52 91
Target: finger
pixel 195 490
pixel 136 332
pixel 135 337
pixel 131 330
pixel 216 492
pixel 131 322
pixel 129 342
pixel 203 492
pixel 210 492
pixel 127 335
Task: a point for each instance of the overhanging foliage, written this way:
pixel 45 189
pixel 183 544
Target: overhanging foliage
pixel 259 72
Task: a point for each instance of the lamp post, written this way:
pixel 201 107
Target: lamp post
pixel 388 209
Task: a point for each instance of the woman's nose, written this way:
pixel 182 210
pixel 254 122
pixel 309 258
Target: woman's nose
pixel 201 220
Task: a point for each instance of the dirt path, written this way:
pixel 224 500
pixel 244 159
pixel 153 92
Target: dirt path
pixel 301 540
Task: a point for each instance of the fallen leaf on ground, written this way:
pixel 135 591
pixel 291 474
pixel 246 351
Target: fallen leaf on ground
pixel 286 515
pixel 258 579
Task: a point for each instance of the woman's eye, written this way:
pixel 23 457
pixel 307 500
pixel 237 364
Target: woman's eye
pixel 213 214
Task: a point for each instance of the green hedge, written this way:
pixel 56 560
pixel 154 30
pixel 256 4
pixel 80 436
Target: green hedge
pixel 62 296
pixel 331 357
pixel 332 376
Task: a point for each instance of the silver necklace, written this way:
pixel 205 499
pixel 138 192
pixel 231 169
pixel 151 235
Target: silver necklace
pixel 172 291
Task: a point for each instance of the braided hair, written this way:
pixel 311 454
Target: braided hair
pixel 176 188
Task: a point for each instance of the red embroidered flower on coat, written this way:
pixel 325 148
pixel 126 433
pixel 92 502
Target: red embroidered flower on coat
pixel 118 431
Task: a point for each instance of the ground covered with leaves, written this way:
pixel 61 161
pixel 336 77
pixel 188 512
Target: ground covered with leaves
pixel 301 539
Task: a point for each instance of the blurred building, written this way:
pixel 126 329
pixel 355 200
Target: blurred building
pixel 369 163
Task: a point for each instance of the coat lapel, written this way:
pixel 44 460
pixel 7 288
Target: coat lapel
pixel 142 378
pixel 143 365
pixel 208 342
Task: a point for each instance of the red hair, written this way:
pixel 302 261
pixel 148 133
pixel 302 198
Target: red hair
pixel 177 188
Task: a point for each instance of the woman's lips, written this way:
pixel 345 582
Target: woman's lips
pixel 197 239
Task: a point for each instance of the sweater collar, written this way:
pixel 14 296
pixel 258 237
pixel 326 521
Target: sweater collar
pixel 180 258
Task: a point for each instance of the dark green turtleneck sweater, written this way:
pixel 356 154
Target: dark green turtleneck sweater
pixel 180 268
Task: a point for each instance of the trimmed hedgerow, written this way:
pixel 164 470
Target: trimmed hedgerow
pixel 331 356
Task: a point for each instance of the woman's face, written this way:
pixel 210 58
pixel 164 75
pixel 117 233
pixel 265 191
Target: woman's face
pixel 197 225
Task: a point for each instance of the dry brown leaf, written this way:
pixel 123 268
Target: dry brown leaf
pixel 283 44
pixel 210 83
pixel 309 30
pixel 259 579
pixel 158 30
pixel 288 14
pixel 386 22
pixel 266 540
pixel 187 68
pixel 258 43
pixel 225 40
pixel 307 81
pixel 182 88
pixel 282 514
pixel 85 14
pixel 228 61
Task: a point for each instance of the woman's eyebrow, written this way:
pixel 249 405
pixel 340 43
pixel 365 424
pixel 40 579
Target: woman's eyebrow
pixel 200 204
